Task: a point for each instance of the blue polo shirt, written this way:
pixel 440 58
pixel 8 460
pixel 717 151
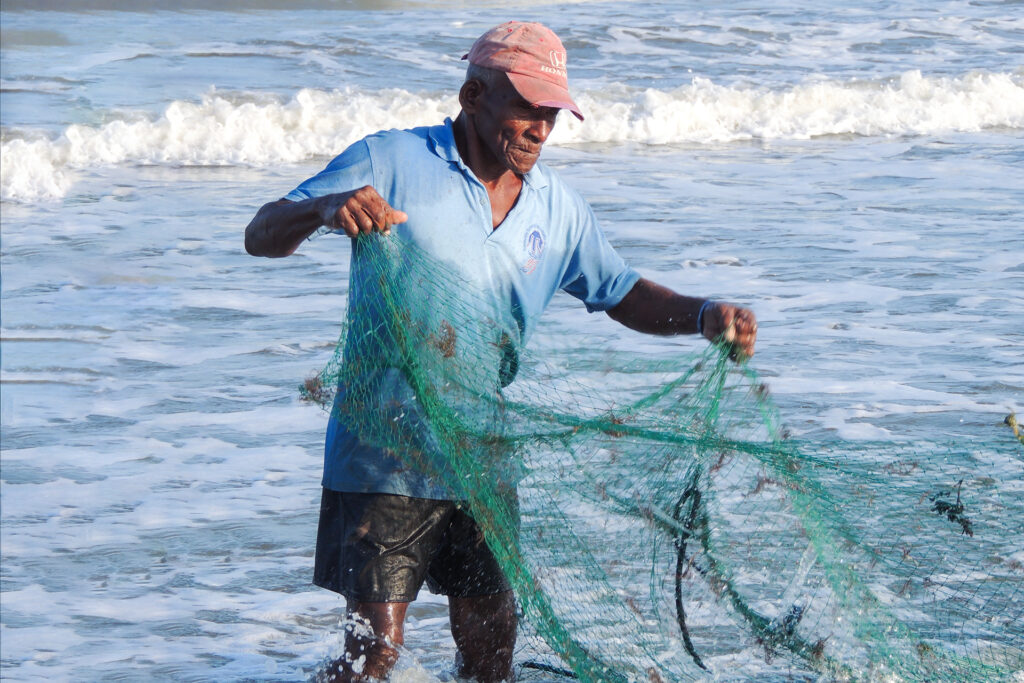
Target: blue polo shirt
pixel 550 240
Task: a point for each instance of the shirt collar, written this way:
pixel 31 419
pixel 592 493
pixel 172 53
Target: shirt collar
pixel 444 146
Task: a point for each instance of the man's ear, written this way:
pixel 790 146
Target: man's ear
pixel 470 94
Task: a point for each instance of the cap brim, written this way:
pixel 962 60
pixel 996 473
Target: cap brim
pixel 541 93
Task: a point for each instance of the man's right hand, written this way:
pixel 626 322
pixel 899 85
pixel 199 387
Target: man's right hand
pixel 359 211
pixel 278 228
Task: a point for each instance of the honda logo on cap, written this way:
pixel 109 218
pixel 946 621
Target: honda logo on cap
pixel 557 59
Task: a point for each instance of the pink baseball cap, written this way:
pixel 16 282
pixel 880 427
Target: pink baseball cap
pixel 534 59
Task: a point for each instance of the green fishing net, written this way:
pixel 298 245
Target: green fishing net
pixel 670 529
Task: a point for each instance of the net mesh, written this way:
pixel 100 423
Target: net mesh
pixel 673 527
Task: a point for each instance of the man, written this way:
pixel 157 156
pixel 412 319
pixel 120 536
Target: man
pixel 470 193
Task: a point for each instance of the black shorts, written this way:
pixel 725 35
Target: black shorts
pixel 375 547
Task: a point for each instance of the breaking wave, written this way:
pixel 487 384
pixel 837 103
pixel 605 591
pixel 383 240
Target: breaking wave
pixel 238 129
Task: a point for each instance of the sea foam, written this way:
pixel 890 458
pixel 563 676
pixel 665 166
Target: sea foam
pixel 233 129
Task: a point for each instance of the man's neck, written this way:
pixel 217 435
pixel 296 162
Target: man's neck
pixel 488 170
pixel 502 184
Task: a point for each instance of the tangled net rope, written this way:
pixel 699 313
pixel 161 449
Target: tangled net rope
pixel 670 526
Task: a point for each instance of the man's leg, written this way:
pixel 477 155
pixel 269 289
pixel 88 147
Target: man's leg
pixel 387 620
pixel 374 550
pixel 484 629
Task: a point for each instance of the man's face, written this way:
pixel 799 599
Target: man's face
pixel 511 128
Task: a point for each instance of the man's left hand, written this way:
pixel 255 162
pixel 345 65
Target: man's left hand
pixel 734 325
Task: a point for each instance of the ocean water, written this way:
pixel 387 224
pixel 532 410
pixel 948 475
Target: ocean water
pixel 852 172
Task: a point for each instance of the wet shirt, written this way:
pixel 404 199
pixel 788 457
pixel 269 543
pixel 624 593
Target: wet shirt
pixel 550 240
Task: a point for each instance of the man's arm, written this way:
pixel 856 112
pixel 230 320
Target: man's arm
pixel 653 309
pixel 278 228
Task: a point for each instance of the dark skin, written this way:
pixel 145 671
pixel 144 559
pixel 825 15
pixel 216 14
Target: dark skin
pixel 484 629
pixel 499 136
pixel 386 619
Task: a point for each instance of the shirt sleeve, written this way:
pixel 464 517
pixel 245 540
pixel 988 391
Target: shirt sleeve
pixel 597 275
pixel 348 171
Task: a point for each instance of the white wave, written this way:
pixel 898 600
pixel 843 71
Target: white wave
pixel 225 129
pixel 705 112
pixel 218 130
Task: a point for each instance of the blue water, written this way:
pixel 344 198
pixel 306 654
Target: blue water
pixel 852 173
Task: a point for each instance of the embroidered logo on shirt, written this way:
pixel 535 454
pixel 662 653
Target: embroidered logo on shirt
pixel 533 245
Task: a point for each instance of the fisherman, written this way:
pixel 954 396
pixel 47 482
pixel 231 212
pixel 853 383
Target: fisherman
pixel 469 191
